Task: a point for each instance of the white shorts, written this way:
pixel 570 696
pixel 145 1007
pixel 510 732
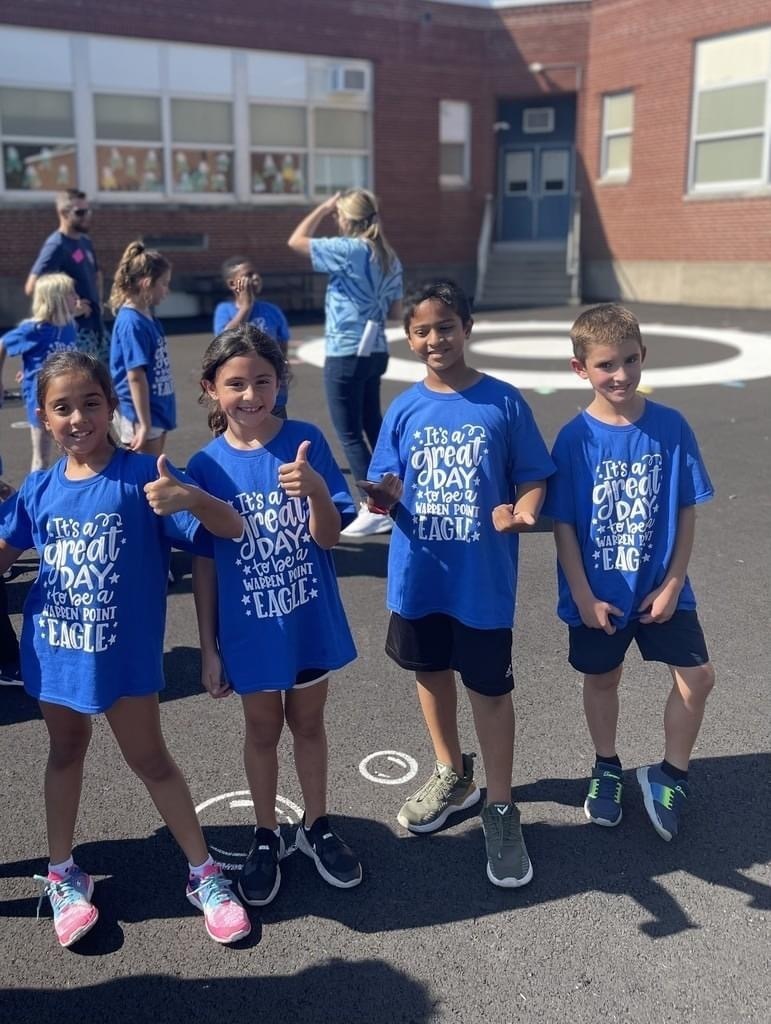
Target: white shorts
pixel 125 429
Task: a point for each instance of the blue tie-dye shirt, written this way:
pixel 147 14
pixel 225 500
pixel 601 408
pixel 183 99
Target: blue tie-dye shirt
pixel 358 290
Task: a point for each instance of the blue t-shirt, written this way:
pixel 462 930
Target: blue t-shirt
pixel 138 340
pixel 94 617
pixel 459 455
pixel 76 258
pixel 34 341
pixel 265 316
pixel 279 606
pixel 621 488
pixel 358 290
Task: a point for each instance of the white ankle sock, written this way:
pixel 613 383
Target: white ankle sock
pixel 63 868
pixel 198 871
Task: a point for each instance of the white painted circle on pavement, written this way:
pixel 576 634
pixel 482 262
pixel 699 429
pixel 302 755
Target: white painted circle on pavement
pixel 286 810
pixel 380 766
pixel 538 339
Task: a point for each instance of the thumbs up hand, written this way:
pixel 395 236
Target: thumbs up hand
pixel 299 479
pixel 168 494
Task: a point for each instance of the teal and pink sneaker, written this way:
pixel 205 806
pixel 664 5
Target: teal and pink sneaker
pixel 226 920
pixel 70 898
pixel 664 799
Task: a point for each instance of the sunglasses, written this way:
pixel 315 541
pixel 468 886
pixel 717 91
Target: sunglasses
pixel 80 211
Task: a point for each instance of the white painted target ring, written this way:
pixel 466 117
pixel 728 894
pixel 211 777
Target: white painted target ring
pixel 286 810
pixel 406 766
pixel 548 339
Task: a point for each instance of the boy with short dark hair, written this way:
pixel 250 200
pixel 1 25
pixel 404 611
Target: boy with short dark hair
pixel 462 465
pixel 629 475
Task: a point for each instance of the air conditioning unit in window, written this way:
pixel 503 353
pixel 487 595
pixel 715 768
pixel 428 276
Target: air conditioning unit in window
pixel 345 78
pixel 537 120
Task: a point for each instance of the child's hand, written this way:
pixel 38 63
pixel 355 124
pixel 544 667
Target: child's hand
pixel 246 289
pixel 329 205
pixel 5 490
pixel 167 494
pixel 139 438
pixel 507 520
pixel 299 479
pixel 662 602
pixel 211 676
pixel 383 494
pixel 596 615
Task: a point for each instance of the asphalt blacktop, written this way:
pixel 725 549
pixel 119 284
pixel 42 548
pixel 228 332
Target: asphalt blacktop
pixel 616 926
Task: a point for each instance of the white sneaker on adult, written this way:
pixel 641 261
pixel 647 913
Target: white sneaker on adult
pixel 367 523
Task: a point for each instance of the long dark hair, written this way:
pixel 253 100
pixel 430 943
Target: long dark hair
pixel 243 340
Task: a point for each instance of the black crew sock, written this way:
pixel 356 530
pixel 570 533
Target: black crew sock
pixel 676 774
pixel 608 760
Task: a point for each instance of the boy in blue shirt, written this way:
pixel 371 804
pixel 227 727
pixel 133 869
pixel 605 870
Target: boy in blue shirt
pixel 245 284
pixel 461 464
pixel 629 475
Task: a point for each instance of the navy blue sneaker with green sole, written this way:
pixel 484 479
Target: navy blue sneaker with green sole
pixel 664 799
pixel 603 801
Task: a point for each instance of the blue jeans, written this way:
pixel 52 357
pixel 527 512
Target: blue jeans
pixel 352 384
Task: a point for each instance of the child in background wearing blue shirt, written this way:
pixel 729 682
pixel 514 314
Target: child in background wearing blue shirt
pixel 139 357
pixel 629 477
pixel 270 618
pixel 51 328
pixel 245 283
pixel 92 640
pixel 10 668
pixel 461 464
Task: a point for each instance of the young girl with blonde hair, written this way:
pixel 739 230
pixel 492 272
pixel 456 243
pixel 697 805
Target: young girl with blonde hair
pixel 139 358
pixel 51 328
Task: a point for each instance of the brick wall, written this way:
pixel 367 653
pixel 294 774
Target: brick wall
pixel 648 45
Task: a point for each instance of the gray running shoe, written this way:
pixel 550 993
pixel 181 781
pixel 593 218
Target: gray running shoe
pixel 508 864
pixel 444 794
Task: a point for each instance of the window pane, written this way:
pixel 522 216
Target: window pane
pixel 33 112
pixel 554 170
pixel 740 57
pixel 617 154
pixel 277 126
pixel 278 174
pixel 127 117
pixel 208 121
pixel 619 111
pixel 518 172
pixel 341 129
pixel 729 160
pixel 46 168
pixel 452 160
pixel 336 173
pixel 725 110
pixel 201 170
pixel 453 121
pixel 129 169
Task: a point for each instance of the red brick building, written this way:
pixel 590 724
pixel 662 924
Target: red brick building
pixel 632 133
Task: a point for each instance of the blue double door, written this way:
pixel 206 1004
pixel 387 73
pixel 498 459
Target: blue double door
pixel 536 168
pixel 535 190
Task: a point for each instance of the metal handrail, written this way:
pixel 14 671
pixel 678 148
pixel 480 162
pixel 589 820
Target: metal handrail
pixel 573 250
pixel 483 246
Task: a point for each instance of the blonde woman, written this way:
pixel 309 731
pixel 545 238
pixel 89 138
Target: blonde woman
pixel 51 328
pixel 365 284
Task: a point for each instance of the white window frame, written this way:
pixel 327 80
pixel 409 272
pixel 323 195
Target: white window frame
pixel 620 176
pixel 38 140
pixel 82 91
pixel 463 180
pixel 740 185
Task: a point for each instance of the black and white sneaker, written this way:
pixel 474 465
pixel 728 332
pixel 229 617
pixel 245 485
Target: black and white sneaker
pixel 335 861
pixel 261 875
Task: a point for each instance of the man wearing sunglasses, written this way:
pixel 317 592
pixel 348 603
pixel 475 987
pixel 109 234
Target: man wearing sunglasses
pixel 69 251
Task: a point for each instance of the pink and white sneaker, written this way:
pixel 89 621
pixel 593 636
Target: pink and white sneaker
pixel 70 898
pixel 226 920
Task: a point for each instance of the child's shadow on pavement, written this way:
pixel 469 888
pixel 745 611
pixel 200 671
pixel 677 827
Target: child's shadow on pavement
pixel 420 881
